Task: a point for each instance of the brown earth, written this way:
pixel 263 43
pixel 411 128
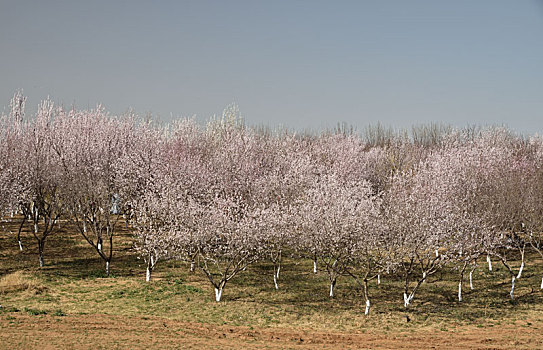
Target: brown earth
pixel 21 331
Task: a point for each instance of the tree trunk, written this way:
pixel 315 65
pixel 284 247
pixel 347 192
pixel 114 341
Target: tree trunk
pixel 378 279
pixel 512 288
pixel 489 262
pixel 150 266
pixel 471 277
pixel 462 280
pixel 520 270
pixel 218 294
pixel 41 245
pixel 332 285
pixel 367 297
pixel 19 233
pixel 148 274
pixel 275 276
pixel 107 268
pixel 315 266
pixel 522 260
pixel 407 299
pixel 278 263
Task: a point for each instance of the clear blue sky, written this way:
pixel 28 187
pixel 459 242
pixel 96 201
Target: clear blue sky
pixel 302 64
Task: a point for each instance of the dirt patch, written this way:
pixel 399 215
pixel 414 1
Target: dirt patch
pixel 21 331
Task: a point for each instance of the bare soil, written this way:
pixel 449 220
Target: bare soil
pixel 21 331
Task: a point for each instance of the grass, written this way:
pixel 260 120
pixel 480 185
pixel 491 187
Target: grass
pixel 73 282
pixel 20 281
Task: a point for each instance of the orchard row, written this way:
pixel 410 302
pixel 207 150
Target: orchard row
pixel 223 195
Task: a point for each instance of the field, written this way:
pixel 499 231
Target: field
pixel 71 304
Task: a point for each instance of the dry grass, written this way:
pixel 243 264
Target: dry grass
pixel 20 281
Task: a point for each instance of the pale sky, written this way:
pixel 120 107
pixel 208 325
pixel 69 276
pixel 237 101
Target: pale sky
pixel 301 64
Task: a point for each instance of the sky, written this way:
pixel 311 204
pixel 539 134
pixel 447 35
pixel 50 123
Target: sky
pixel 297 64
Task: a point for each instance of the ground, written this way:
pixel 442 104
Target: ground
pixel 115 332
pixel 70 303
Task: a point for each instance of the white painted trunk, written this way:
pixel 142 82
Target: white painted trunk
pixel 489 262
pixel 36 228
pixel 460 291
pixel 192 266
pixel 423 277
pixel 275 281
pixel 99 246
pixel 331 290
pixel 368 305
pixel 314 266
pixel 20 246
pixel 407 300
pixel 41 260
pixel 107 268
pixel 437 253
pixel 218 294
pixel 84 227
pixel 148 274
pixel 278 270
pixel 512 288
pixel 471 280
pixel 520 271
pixel 378 279
pixel 541 282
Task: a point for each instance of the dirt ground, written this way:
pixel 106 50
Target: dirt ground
pixel 21 331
